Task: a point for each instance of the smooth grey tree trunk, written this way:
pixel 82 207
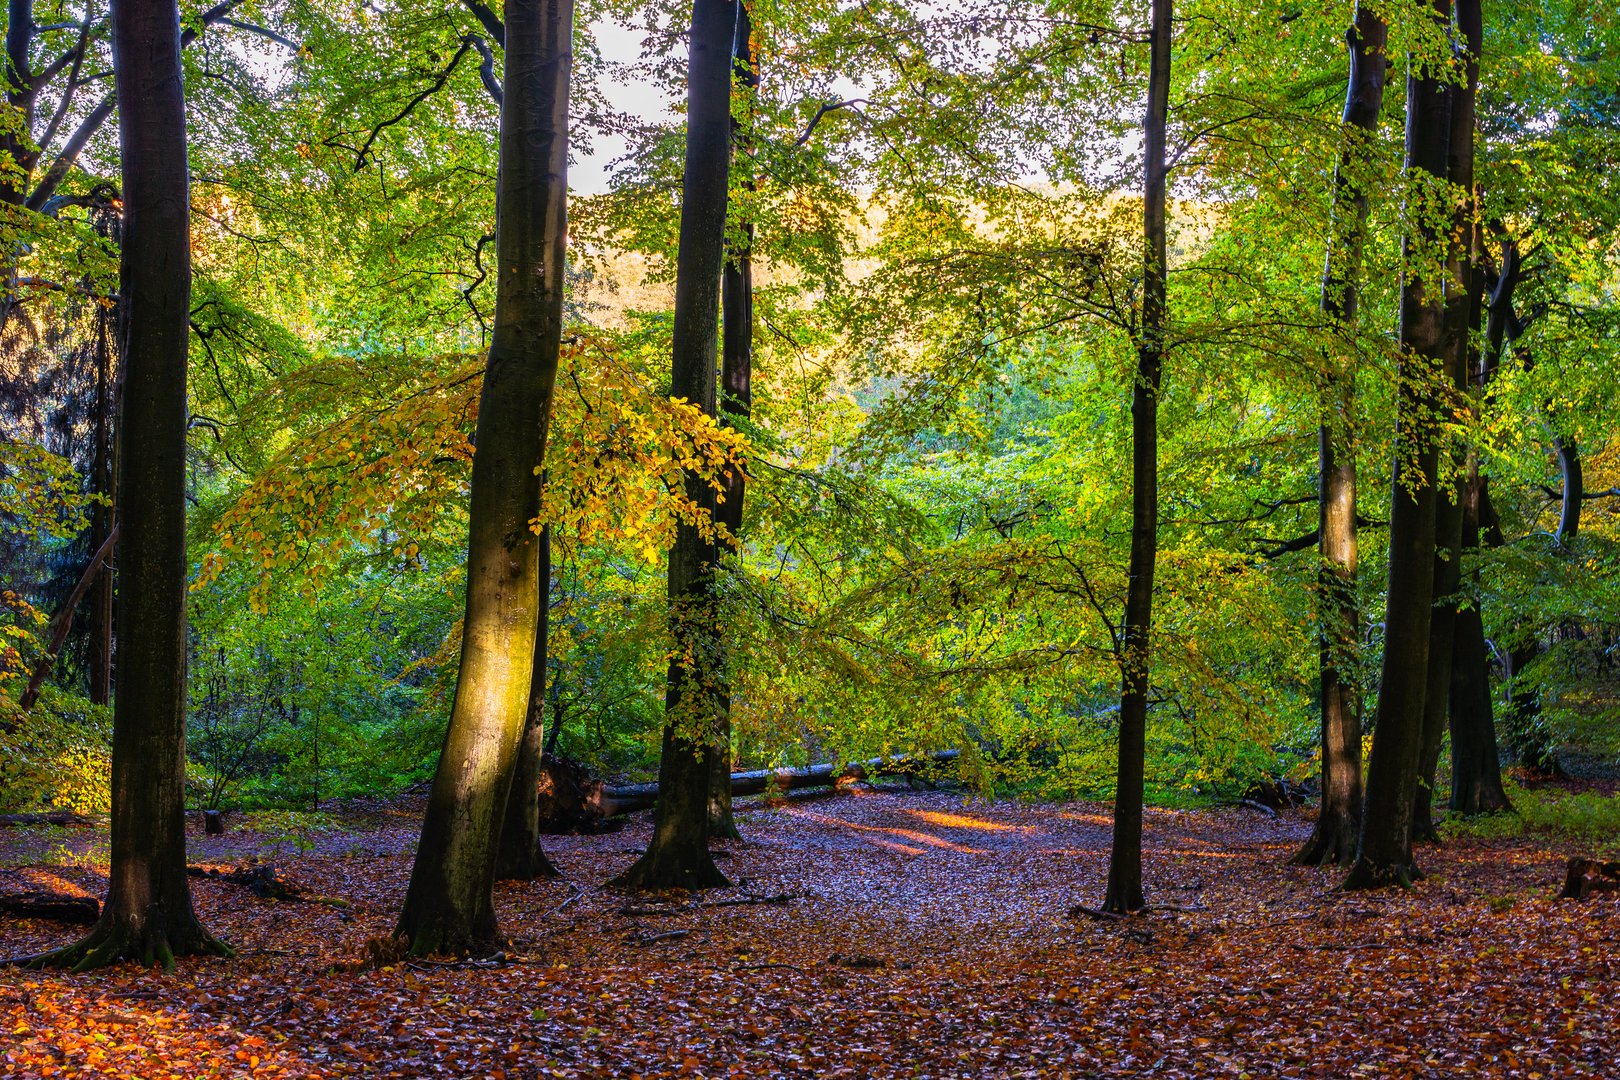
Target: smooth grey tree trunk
pixel 148 915
pixel 1338 823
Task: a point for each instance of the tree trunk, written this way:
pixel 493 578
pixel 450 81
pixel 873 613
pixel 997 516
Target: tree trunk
pixel 694 700
pixel 521 857
pixel 736 391
pixel 1333 840
pixel 1574 490
pixel 1124 894
pixel 103 520
pixel 1384 853
pixel 449 907
pixel 148 914
pixel 1462 316
pixel 1476 770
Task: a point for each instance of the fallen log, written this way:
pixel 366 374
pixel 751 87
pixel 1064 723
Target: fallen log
pixel 52 818
pixel 59 907
pixel 260 879
pixel 1583 877
pixel 632 797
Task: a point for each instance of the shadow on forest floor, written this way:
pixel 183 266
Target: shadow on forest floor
pixel 927 936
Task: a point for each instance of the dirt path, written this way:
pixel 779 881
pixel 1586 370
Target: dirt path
pixel 927 937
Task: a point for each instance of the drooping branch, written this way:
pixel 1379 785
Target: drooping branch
pixel 486 70
pixel 467 45
pixel 264 32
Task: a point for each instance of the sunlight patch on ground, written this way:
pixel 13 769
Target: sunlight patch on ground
pixel 963 821
pixel 905 834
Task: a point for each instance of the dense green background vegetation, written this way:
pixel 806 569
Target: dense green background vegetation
pixel 937 522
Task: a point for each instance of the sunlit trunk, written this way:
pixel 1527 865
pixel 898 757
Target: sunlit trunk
pixel 449 907
pixel 1333 840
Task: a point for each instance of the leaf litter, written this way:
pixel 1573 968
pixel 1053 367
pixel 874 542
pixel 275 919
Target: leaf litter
pixel 872 933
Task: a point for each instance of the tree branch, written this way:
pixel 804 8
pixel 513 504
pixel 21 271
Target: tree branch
pixel 826 107
pixel 410 106
pixel 488 20
pixel 264 32
pixel 87 128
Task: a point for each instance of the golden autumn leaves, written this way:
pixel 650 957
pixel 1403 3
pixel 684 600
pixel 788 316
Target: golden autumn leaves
pixel 375 479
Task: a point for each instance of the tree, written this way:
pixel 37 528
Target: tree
pixel 1463 311
pixel 736 389
pixel 1384 853
pixel 449 907
pixel 148 915
pixel 1333 839
pixel 521 856
pixel 1125 861
pixel 678 855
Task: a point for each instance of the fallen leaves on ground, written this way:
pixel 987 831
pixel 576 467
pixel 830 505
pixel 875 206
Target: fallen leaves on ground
pixel 921 936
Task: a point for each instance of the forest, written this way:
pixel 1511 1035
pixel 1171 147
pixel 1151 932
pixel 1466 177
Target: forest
pixel 971 538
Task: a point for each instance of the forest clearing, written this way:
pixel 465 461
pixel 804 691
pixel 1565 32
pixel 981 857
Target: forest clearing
pixel 472 472
pixel 921 934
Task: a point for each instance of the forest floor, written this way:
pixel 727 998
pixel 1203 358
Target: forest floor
pixel 926 936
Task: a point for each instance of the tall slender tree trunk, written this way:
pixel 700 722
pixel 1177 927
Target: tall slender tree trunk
pixel 521 857
pixel 1476 770
pixel 678 855
pixel 1463 290
pixel 736 391
pixel 449 907
pixel 1384 853
pixel 102 517
pixel 1333 840
pixel 1125 861
pixel 148 915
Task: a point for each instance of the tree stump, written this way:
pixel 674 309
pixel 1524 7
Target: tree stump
pixel 1583 877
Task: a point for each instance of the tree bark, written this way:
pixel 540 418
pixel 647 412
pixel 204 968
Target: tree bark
pixel 736 391
pixel 679 853
pixel 1573 491
pixel 1124 894
pixel 148 915
pixel 521 856
pixel 1384 853
pixel 1461 318
pixel 1476 770
pixel 1333 840
pixel 449 907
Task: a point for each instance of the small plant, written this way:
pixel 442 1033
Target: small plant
pixel 281 831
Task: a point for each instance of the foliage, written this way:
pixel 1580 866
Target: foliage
pixel 57 755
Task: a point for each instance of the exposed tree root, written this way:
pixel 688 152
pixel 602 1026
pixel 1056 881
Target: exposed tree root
pixel 664 867
pixel 1365 875
pixel 533 865
pixel 115 939
pixel 1331 843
